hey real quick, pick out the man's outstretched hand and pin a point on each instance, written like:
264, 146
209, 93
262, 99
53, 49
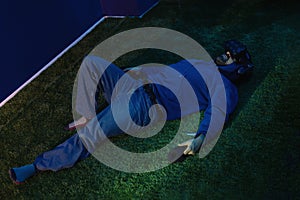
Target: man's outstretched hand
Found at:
193, 145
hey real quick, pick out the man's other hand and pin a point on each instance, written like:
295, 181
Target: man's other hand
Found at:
193, 145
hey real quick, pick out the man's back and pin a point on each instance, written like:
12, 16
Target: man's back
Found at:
171, 85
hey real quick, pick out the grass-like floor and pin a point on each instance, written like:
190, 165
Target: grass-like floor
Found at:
257, 155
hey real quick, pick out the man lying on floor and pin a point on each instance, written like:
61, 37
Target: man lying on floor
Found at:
233, 65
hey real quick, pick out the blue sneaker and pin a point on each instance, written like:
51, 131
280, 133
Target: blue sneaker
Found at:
19, 174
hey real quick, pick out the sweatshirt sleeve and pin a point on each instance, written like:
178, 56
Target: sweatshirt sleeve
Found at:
205, 122
220, 112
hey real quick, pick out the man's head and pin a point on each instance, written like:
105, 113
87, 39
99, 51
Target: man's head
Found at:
236, 62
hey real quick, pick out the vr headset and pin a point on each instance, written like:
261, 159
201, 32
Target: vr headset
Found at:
235, 62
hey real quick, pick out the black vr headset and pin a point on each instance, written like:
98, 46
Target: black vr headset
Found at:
240, 65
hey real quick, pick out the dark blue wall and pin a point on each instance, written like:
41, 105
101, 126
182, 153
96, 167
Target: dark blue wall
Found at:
33, 32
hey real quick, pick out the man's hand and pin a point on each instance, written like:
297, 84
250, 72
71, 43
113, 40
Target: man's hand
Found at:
136, 73
193, 145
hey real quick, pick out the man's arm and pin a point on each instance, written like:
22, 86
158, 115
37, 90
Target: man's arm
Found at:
194, 145
216, 127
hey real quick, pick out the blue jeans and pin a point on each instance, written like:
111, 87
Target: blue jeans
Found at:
73, 149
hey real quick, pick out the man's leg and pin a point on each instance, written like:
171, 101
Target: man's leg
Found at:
74, 149
107, 124
92, 77
95, 75
64, 155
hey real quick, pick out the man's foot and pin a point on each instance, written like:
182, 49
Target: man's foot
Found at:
19, 174
81, 122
